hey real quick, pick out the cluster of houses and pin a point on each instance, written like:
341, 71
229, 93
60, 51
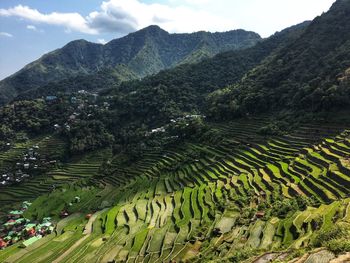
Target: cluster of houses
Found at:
25, 167
30, 160
187, 117
17, 228
84, 104
174, 121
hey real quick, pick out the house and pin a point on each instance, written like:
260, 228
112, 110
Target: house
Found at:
15, 214
260, 214
9, 224
21, 221
88, 216
26, 204
64, 214
30, 226
31, 232
51, 98
3, 244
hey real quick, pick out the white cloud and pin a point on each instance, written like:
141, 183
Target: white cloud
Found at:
34, 28
31, 27
124, 16
71, 21
5, 34
101, 41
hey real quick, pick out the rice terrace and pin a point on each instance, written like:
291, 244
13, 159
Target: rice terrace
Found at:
194, 201
193, 143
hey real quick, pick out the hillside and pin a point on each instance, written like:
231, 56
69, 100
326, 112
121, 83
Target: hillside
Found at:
234, 199
185, 89
240, 157
143, 53
310, 73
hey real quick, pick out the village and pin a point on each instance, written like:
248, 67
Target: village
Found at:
185, 118
31, 163
17, 228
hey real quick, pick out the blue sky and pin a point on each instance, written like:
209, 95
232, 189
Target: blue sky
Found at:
31, 28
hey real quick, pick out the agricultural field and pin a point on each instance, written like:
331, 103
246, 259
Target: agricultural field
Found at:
61, 173
195, 202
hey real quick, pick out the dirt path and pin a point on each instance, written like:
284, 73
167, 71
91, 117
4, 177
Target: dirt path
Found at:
87, 232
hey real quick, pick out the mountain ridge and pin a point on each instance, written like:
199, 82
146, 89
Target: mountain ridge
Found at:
144, 52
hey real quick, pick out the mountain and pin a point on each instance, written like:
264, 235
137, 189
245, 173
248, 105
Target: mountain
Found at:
310, 73
185, 88
144, 52
137, 173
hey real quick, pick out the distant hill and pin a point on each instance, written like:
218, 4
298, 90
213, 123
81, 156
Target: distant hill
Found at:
142, 53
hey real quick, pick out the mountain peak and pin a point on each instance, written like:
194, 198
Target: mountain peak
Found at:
152, 30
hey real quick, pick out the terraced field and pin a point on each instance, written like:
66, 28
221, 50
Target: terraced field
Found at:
199, 202
59, 173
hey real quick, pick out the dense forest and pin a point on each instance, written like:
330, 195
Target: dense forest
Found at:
310, 73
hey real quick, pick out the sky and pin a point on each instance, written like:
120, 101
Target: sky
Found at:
31, 28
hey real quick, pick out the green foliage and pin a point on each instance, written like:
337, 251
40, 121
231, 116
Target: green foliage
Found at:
282, 207
310, 73
275, 128
31, 116
330, 237
338, 245
241, 255
88, 135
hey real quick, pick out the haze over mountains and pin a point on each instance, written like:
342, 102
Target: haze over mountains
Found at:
136, 55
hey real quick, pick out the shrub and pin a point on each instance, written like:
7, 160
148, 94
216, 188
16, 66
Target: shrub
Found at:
330, 237
338, 246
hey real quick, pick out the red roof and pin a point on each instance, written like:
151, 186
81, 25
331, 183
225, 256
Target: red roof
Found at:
88, 216
31, 231
11, 221
2, 243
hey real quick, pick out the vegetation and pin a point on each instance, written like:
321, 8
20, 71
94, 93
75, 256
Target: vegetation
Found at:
174, 168
306, 74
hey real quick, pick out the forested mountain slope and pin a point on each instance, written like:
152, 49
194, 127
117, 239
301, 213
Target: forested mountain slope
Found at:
172, 92
310, 73
144, 52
